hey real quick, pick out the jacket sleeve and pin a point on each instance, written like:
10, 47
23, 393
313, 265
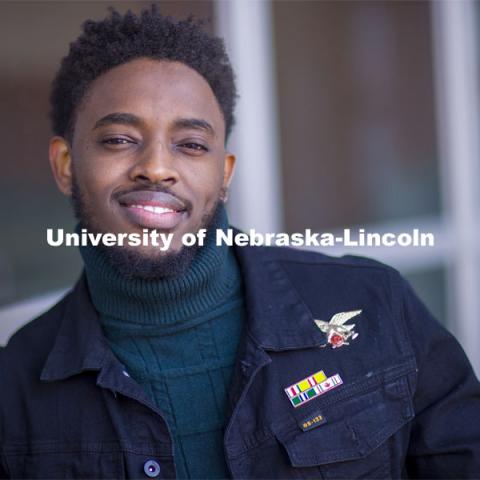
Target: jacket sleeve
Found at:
3, 470
445, 435
3, 467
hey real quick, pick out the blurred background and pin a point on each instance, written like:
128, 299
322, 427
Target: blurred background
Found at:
351, 114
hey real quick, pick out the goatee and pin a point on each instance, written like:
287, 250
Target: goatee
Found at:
130, 262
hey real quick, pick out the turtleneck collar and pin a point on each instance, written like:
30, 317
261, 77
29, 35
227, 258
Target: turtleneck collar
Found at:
211, 276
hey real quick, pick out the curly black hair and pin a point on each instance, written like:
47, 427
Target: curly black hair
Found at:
120, 38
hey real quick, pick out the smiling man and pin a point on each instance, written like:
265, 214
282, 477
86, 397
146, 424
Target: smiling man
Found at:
210, 361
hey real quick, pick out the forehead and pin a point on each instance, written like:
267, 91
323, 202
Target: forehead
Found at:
156, 91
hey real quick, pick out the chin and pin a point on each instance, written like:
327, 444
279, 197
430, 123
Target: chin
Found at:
149, 263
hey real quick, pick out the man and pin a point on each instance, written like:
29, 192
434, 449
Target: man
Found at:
210, 361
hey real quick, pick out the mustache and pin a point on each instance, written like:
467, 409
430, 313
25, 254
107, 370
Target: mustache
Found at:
145, 187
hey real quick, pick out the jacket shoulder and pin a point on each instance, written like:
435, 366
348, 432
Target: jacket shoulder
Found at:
308, 257
33, 341
343, 281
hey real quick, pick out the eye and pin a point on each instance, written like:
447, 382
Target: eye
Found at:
193, 147
117, 141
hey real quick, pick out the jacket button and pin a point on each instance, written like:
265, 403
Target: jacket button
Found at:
151, 469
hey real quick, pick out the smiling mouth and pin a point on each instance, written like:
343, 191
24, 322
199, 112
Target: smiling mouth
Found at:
154, 209
150, 209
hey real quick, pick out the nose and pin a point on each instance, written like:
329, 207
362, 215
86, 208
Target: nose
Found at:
155, 165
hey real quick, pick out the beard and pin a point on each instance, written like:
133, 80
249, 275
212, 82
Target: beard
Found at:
130, 262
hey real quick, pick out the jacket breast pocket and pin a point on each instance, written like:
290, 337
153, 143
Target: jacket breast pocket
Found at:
358, 436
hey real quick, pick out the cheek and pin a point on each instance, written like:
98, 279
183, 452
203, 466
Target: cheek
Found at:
94, 184
97, 178
207, 182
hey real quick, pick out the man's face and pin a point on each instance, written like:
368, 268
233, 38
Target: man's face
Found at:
147, 152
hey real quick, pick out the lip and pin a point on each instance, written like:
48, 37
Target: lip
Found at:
133, 204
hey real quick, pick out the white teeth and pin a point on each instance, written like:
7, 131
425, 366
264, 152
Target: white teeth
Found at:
152, 209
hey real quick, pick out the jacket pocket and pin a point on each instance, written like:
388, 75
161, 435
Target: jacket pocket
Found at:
359, 436
56, 463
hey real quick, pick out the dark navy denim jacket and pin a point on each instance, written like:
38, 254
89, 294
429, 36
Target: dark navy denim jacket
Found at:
408, 407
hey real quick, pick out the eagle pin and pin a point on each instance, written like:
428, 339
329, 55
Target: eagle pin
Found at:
338, 333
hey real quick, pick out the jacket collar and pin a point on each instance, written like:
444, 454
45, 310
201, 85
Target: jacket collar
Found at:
277, 318
80, 344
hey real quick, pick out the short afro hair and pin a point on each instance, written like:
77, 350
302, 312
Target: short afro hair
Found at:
120, 38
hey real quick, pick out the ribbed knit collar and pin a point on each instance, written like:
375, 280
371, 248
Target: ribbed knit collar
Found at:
211, 276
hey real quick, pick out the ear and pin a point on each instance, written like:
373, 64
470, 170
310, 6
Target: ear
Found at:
228, 169
61, 164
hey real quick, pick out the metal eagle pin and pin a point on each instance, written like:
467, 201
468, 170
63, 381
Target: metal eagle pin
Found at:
337, 332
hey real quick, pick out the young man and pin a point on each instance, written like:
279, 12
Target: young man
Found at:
210, 361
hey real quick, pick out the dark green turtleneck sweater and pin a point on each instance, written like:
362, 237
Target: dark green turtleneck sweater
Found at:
178, 339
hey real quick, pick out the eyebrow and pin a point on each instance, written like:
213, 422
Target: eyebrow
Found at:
133, 120
118, 118
194, 123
